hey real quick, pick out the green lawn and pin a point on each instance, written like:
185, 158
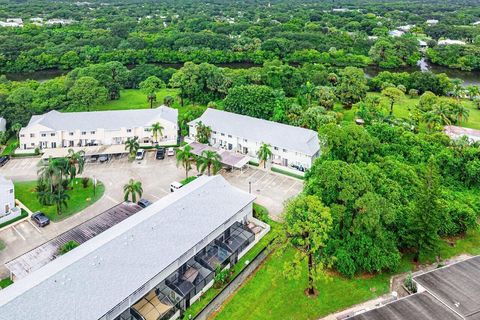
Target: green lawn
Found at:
12, 144
80, 198
5, 282
269, 295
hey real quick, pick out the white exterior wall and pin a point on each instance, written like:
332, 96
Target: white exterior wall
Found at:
39, 136
7, 196
280, 156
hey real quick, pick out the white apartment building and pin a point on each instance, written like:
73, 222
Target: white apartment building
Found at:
7, 196
290, 145
80, 129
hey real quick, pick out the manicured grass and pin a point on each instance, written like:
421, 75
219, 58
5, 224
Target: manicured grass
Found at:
288, 173
12, 144
270, 295
5, 282
134, 99
80, 198
22, 215
403, 108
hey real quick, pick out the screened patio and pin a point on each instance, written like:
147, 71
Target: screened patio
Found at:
237, 237
213, 256
190, 279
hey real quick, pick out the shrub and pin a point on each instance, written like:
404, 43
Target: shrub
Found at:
70, 245
85, 182
222, 277
188, 180
413, 93
402, 88
409, 284
260, 212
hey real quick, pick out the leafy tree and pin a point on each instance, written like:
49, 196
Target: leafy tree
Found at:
393, 95
157, 130
131, 190
69, 246
203, 132
264, 153
326, 97
185, 157
424, 218
76, 163
251, 100
209, 161
168, 101
60, 199
352, 86
150, 87
86, 92
51, 95
132, 146
473, 91
306, 227
16, 127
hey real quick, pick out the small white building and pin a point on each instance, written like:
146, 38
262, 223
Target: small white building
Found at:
447, 42
431, 22
396, 33
406, 28
7, 196
423, 45
80, 129
3, 124
290, 145
476, 23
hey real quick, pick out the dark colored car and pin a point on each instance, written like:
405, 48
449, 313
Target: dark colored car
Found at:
40, 219
3, 160
144, 203
160, 154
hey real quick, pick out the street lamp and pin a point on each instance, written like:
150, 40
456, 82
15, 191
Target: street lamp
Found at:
249, 186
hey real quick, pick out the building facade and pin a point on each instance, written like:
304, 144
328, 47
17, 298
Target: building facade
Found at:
291, 146
81, 129
7, 196
152, 265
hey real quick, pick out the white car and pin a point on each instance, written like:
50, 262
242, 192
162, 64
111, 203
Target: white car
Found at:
140, 154
174, 186
170, 151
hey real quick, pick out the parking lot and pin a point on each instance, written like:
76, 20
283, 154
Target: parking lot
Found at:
271, 189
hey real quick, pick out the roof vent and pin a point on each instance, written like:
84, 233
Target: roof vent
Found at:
457, 304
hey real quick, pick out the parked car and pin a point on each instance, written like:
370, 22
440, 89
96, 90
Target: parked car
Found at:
103, 158
140, 154
160, 154
174, 186
144, 203
40, 219
170, 151
3, 160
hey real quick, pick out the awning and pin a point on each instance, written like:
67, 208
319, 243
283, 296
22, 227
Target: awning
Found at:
229, 158
89, 151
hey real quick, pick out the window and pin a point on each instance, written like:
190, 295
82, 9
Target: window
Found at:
70, 133
11, 190
32, 144
84, 133
32, 135
129, 130
22, 136
214, 132
229, 135
284, 150
52, 134
223, 134
44, 134
275, 148
245, 140
147, 129
92, 132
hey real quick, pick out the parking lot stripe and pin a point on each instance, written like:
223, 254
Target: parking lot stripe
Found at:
250, 178
33, 224
290, 188
18, 232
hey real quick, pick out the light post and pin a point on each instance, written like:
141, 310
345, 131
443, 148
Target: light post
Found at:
94, 186
249, 186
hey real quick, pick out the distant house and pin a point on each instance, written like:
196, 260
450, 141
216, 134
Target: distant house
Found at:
290, 145
396, 33
80, 129
455, 132
431, 22
406, 28
423, 45
12, 22
447, 42
476, 23
8, 211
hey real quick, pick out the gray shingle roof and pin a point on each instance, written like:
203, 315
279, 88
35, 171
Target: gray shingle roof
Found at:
276, 134
456, 285
420, 306
93, 278
110, 120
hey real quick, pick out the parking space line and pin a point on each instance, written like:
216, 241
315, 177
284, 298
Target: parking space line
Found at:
250, 177
268, 185
154, 196
18, 232
260, 179
267, 181
290, 188
34, 226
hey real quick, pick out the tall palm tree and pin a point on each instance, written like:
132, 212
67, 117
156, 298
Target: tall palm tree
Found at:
44, 195
132, 189
60, 198
50, 174
444, 113
157, 130
264, 153
76, 162
168, 101
185, 157
16, 127
461, 113
209, 160
431, 119
458, 90
151, 98
132, 146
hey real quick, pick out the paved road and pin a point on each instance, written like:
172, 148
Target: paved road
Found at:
270, 188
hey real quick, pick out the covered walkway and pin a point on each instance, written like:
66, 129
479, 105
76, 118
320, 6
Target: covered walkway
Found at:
89, 151
229, 158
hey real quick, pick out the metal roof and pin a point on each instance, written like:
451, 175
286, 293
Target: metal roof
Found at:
108, 120
228, 158
90, 280
456, 285
258, 130
420, 306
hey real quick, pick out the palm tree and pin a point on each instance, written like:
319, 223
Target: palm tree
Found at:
308, 90
431, 119
50, 174
76, 162
16, 127
264, 153
473, 91
204, 132
168, 101
157, 130
132, 146
132, 189
209, 160
185, 157
461, 113
59, 198
458, 90
43, 193
152, 97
